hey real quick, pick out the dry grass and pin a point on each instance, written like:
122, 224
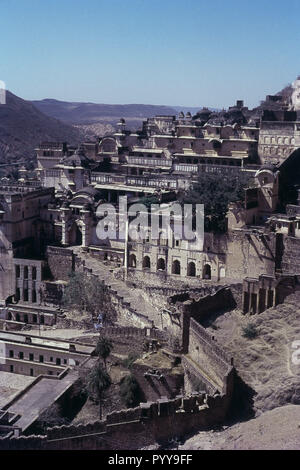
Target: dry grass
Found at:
265, 362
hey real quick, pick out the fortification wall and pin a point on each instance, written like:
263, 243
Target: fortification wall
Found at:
205, 361
126, 315
201, 308
132, 429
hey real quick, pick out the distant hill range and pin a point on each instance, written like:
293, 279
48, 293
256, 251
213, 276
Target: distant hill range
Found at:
23, 127
24, 124
89, 113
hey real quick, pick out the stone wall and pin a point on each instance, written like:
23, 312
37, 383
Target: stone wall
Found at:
249, 254
133, 428
206, 362
60, 262
291, 256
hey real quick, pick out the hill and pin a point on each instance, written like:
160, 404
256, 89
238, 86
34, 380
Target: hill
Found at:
89, 113
23, 127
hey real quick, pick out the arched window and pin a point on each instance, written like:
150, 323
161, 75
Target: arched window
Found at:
25, 272
161, 265
33, 272
207, 271
132, 261
176, 267
222, 272
146, 262
33, 295
191, 269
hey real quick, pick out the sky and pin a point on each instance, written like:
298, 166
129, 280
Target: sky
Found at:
172, 52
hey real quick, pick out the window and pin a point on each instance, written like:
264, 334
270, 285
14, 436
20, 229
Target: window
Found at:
11, 368
25, 272
31, 372
51, 359
161, 265
21, 355
31, 357
132, 261
34, 273
146, 262
41, 358
17, 271
191, 270
207, 271
58, 361
11, 353
176, 267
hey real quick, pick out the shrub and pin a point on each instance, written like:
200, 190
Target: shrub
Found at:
131, 358
130, 391
250, 331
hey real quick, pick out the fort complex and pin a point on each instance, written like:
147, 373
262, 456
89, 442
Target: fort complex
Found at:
162, 290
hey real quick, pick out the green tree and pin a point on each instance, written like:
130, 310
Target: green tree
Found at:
86, 293
130, 391
98, 381
130, 359
216, 191
103, 348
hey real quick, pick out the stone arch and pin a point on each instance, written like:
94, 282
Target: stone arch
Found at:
191, 269
75, 235
176, 269
132, 261
146, 262
161, 264
222, 272
207, 271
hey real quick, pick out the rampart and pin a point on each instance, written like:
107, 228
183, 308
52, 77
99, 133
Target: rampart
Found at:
133, 428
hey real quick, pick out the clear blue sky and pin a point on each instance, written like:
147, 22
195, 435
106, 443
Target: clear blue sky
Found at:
174, 52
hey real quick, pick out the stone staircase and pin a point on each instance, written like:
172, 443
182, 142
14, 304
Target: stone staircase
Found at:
130, 295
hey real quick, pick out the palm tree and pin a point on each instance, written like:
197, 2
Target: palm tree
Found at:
98, 382
103, 348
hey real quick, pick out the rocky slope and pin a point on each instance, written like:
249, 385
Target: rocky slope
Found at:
277, 429
265, 363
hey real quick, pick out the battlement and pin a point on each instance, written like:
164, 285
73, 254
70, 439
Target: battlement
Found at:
147, 424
